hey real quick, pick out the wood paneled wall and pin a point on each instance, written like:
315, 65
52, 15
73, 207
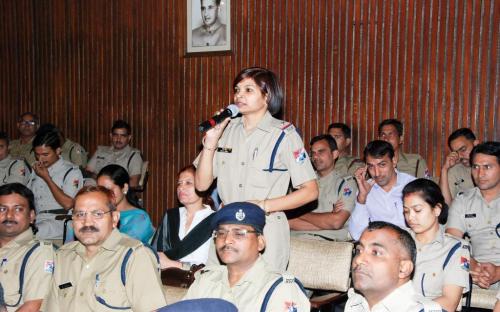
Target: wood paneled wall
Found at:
83, 63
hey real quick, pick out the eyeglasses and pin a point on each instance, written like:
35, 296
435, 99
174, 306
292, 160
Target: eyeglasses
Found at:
96, 214
237, 234
28, 123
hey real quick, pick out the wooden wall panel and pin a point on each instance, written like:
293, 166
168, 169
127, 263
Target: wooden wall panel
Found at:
81, 64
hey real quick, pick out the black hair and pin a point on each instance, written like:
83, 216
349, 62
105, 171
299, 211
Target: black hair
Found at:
19, 189
491, 148
268, 85
205, 196
328, 138
121, 124
342, 126
120, 177
462, 132
110, 197
407, 242
378, 149
392, 122
4, 136
430, 192
51, 139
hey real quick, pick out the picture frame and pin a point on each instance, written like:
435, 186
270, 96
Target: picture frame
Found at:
208, 26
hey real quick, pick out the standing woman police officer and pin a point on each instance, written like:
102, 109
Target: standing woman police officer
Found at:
254, 157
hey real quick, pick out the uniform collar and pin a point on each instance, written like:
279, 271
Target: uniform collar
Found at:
265, 124
124, 150
393, 301
57, 165
439, 238
22, 239
213, 28
248, 277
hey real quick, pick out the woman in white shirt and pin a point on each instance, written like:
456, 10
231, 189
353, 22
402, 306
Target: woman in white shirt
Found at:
184, 235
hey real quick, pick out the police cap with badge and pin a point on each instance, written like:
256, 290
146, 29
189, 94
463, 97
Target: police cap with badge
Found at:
240, 213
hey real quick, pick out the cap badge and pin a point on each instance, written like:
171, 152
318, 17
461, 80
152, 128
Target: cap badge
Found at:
239, 215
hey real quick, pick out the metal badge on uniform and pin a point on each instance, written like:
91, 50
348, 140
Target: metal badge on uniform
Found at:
101, 157
470, 215
48, 266
300, 155
225, 149
65, 285
239, 215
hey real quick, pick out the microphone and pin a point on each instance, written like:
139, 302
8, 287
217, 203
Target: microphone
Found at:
230, 111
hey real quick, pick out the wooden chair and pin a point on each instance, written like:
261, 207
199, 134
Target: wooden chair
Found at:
322, 265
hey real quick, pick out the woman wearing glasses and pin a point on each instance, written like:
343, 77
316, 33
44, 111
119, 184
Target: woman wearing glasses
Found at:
442, 266
255, 156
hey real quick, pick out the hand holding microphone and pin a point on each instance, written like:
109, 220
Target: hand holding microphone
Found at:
215, 126
230, 111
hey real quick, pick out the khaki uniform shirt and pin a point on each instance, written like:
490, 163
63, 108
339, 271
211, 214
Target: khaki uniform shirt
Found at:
14, 170
331, 189
80, 282
459, 179
128, 157
248, 293
470, 213
430, 277
209, 36
346, 165
37, 274
68, 178
402, 299
413, 164
75, 153
25, 151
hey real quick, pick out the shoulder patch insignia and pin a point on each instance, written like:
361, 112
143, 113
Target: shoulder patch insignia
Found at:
75, 183
464, 264
300, 155
290, 306
347, 191
48, 266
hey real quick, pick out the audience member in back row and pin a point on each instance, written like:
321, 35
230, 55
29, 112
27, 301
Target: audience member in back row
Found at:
12, 169
381, 272
345, 164
328, 219
391, 130
442, 267
380, 185
183, 238
134, 221
456, 171
54, 181
27, 124
119, 153
477, 212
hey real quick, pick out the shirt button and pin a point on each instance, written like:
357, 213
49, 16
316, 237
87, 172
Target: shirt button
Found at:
242, 163
81, 294
223, 162
87, 266
240, 185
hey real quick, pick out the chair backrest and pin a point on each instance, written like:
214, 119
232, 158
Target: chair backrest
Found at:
321, 264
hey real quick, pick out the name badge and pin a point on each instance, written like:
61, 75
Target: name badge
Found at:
224, 149
65, 285
470, 215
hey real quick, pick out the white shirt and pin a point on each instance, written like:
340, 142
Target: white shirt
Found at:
380, 206
200, 255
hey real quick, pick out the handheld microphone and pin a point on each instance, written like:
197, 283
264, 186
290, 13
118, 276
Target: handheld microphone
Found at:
230, 111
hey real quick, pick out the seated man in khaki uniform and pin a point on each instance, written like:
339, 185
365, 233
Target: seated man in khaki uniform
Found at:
12, 170
346, 164
391, 130
337, 196
246, 280
22, 257
104, 270
70, 151
381, 271
477, 212
456, 171
119, 153
27, 125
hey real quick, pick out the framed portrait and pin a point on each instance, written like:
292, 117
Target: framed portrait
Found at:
208, 25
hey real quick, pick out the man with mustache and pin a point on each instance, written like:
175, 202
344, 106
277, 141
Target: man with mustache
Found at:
104, 270
212, 32
17, 246
27, 125
120, 153
54, 181
380, 185
456, 171
246, 279
382, 269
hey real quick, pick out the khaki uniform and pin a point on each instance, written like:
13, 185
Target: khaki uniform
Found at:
14, 170
402, 299
244, 171
459, 179
248, 293
331, 189
68, 178
25, 151
214, 35
128, 157
37, 274
430, 276
95, 284
413, 164
347, 165
75, 153
470, 213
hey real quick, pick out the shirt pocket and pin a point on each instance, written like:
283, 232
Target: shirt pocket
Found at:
109, 295
431, 283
